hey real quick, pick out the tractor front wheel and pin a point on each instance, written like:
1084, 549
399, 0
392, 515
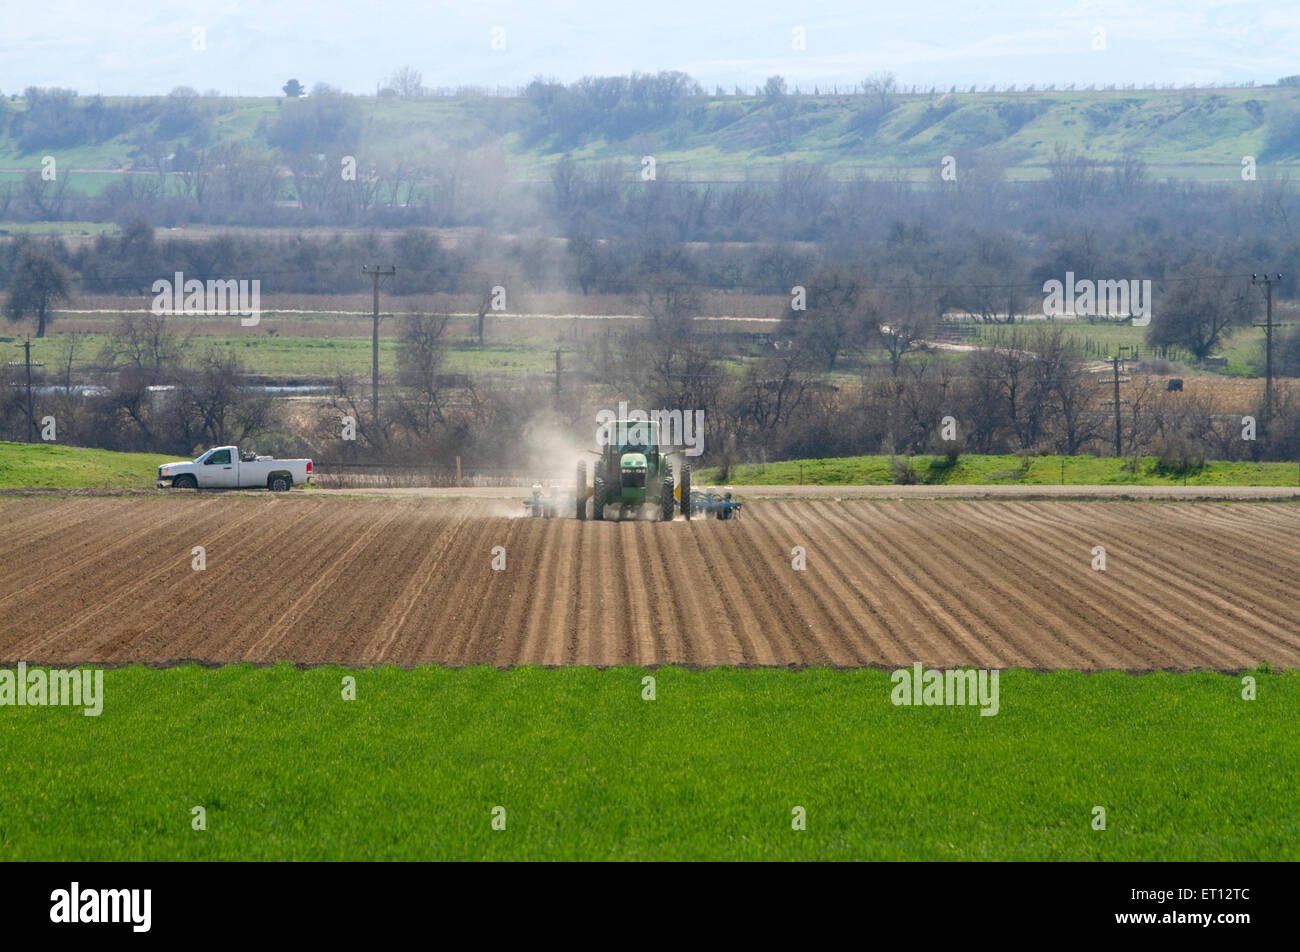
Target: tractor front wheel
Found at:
666, 500
598, 499
580, 491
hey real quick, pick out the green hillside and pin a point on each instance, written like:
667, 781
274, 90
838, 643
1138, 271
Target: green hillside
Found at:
1192, 134
45, 465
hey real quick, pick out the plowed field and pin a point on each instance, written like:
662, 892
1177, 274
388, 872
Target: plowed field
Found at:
408, 581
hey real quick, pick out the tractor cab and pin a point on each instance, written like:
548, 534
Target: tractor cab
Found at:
632, 471
636, 436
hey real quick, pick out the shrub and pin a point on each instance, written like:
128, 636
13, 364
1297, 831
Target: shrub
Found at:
946, 458
1179, 456
903, 471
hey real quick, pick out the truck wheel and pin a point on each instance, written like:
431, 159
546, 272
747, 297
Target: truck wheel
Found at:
185, 482
686, 490
598, 499
279, 484
666, 500
580, 491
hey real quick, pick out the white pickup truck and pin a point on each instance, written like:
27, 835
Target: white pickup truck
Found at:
224, 467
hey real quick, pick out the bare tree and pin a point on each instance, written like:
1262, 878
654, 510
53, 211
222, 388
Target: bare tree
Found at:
242, 176
904, 314
881, 87
1198, 308
68, 347
153, 148
215, 408
773, 391
839, 307
195, 168
1068, 389
46, 197
351, 398
39, 282
1073, 176
422, 349
672, 299
147, 343
407, 82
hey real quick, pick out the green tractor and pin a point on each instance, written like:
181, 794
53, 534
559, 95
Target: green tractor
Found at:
631, 473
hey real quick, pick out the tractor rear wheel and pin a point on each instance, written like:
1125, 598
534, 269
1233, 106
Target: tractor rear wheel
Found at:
666, 500
598, 499
580, 491
686, 490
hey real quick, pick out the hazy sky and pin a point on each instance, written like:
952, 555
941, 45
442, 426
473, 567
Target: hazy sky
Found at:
141, 46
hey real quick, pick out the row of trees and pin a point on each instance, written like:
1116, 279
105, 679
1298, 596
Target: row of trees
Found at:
55, 118
190, 398
892, 299
1030, 392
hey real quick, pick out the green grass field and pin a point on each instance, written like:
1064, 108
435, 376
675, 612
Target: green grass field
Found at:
976, 470
58, 227
307, 356
584, 768
325, 356
298, 349
1243, 346
29, 465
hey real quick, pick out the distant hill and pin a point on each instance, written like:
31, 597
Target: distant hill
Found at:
1186, 134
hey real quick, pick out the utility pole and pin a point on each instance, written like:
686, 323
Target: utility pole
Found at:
31, 413
1118, 440
1267, 280
377, 272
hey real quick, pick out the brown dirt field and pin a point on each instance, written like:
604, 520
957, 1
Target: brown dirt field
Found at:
324, 578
